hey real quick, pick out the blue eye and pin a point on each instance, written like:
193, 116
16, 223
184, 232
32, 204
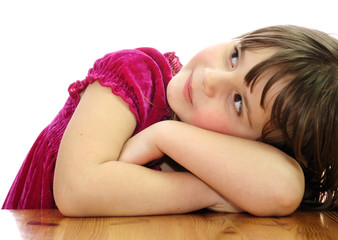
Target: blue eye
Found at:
238, 103
234, 57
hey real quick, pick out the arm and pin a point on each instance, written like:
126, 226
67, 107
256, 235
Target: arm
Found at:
89, 182
254, 176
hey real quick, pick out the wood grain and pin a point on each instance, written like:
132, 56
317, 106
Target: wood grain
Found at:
50, 224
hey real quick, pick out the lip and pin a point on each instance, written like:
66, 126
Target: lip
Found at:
187, 90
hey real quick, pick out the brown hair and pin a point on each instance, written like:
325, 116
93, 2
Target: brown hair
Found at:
304, 115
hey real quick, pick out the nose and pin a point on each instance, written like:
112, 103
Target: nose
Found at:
213, 81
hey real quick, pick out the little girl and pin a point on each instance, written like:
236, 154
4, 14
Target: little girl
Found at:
257, 129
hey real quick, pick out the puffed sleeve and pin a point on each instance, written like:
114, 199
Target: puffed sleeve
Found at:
139, 76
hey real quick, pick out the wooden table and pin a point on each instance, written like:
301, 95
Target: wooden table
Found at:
50, 224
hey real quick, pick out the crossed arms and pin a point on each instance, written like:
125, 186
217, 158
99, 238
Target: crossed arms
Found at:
98, 170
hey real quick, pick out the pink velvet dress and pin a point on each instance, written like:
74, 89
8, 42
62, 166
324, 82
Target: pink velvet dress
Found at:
139, 76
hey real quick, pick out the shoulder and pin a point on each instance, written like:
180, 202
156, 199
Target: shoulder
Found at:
137, 69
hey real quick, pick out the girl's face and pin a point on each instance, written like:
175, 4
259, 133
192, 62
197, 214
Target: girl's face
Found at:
210, 92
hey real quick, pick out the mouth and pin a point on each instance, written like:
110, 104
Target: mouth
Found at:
187, 90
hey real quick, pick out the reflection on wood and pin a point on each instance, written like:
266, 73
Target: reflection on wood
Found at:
50, 224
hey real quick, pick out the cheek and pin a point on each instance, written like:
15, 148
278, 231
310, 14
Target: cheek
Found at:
213, 122
200, 59
223, 124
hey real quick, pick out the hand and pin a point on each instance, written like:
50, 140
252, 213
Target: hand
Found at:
141, 148
224, 205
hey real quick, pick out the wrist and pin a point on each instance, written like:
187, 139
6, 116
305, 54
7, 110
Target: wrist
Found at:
223, 205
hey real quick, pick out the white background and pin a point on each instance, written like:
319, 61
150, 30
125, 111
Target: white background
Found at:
46, 45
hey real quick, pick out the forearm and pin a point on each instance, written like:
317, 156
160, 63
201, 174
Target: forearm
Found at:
122, 189
254, 176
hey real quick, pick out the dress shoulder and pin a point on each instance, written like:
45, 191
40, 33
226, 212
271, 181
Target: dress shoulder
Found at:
140, 76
